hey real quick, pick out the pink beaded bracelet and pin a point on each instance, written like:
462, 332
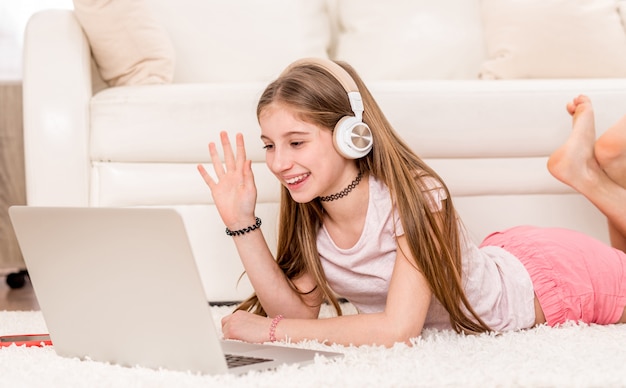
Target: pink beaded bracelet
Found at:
273, 325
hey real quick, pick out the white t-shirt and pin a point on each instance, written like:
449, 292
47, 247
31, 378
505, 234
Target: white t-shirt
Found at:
496, 284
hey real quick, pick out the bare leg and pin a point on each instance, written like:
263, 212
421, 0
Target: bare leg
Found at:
610, 151
595, 169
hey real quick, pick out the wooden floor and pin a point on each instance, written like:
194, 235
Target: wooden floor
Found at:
18, 299
12, 186
12, 192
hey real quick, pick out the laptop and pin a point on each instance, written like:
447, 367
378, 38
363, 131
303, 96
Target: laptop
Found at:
120, 285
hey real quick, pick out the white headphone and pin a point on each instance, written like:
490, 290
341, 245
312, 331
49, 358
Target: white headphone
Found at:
352, 137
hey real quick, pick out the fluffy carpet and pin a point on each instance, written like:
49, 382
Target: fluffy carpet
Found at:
568, 356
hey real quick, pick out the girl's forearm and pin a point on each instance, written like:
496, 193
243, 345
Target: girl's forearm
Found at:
359, 329
268, 280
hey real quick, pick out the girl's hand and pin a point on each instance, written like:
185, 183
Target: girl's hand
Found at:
234, 191
245, 326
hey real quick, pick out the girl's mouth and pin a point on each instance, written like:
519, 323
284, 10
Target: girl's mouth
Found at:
294, 181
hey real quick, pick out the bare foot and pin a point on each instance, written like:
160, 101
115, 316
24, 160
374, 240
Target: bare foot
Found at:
610, 151
574, 163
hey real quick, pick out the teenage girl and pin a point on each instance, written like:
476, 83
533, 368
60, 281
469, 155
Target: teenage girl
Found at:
364, 218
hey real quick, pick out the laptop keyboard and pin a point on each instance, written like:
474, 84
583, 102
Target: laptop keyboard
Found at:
234, 360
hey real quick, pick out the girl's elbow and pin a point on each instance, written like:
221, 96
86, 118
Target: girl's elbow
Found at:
402, 335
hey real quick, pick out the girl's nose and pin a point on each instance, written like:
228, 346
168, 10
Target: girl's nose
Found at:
279, 161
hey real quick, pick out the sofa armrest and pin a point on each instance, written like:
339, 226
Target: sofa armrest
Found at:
57, 90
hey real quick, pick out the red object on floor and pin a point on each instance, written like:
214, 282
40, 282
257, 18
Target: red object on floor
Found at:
25, 339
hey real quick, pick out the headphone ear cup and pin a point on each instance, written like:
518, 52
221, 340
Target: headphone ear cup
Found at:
353, 138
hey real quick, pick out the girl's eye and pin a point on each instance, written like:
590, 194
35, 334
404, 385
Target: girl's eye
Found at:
296, 143
268, 147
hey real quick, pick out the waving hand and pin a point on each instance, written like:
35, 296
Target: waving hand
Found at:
233, 190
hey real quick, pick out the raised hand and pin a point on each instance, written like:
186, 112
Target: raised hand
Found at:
234, 191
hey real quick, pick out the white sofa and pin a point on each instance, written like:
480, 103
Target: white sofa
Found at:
478, 88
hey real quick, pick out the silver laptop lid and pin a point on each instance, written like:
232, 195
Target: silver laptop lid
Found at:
119, 285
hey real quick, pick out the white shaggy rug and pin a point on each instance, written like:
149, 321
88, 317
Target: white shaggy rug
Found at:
568, 356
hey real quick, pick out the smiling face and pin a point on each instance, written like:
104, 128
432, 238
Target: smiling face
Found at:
302, 155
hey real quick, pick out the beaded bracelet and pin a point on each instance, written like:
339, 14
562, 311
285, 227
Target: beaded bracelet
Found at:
250, 228
273, 325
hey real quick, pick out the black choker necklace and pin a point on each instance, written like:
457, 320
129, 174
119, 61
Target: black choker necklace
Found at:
345, 191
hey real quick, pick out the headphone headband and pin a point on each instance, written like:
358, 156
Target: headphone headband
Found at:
352, 137
344, 78
337, 71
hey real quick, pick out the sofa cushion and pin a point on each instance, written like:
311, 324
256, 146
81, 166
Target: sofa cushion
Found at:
411, 39
242, 40
553, 39
171, 123
129, 46
174, 123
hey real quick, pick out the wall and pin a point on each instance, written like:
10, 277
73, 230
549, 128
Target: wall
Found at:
13, 18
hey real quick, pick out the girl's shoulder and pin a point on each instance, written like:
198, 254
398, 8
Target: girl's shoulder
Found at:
433, 189
428, 182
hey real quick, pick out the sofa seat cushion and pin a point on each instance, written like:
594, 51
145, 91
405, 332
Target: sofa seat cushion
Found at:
440, 119
151, 184
171, 123
146, 141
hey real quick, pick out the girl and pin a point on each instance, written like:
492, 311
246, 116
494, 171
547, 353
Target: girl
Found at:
364, 218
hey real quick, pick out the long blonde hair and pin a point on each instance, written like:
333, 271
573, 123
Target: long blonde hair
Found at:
433, 238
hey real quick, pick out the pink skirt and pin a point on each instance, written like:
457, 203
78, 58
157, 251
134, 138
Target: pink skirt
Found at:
575, 277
